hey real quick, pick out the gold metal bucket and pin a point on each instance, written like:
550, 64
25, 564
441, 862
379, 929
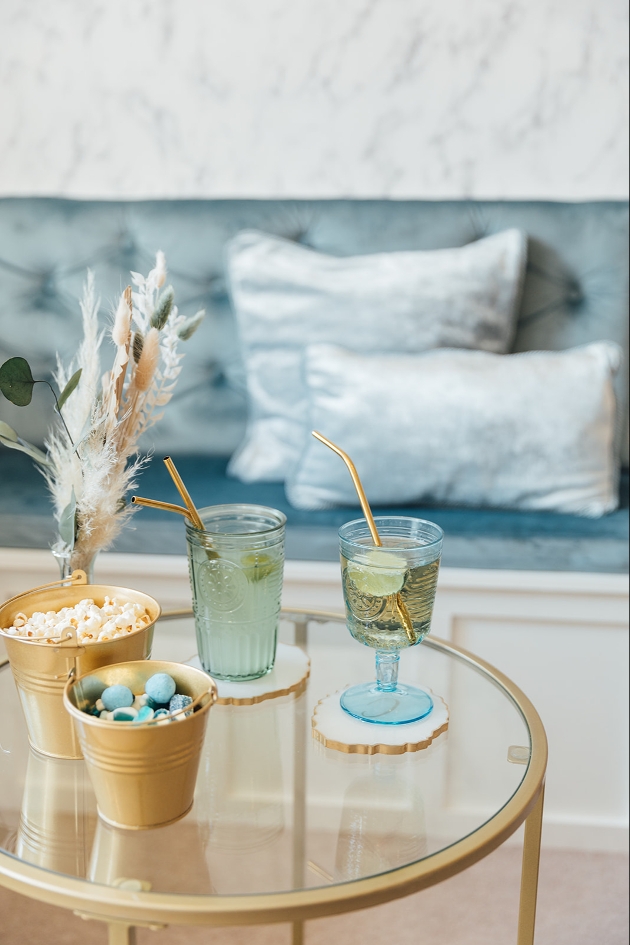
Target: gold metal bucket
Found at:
58, 817
143, 774
41, 669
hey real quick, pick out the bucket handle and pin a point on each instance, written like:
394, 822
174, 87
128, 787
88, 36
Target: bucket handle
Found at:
77, 578
69, 640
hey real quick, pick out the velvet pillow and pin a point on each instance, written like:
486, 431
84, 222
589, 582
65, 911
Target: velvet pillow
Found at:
286, 297
467, 428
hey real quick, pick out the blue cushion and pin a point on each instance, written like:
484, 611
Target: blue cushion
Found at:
475, 538
575, 291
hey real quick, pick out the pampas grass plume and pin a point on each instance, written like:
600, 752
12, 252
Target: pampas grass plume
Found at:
122, 323
160, 268
191, 325
137, 346
146, 366
163, 308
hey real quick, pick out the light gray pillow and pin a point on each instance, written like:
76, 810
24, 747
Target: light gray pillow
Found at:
286, 297
522, 431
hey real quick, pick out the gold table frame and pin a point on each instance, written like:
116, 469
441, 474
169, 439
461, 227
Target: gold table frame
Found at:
125, 910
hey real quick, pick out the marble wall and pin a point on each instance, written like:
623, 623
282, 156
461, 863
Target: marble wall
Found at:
314, 98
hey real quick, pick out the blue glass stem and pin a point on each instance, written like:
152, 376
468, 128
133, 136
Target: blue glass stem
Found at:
387, 670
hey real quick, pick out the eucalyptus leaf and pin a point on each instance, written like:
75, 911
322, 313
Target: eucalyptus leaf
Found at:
16, 381
7, 432
70, 387
25, 447
68, 522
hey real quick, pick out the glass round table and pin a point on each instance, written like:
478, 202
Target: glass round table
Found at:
284, 829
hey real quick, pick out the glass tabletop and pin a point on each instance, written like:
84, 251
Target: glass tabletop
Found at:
275, 811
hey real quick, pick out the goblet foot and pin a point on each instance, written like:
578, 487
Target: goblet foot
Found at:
394, 706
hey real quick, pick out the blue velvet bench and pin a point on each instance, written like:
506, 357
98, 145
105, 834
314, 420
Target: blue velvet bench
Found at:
475, 538
575, 291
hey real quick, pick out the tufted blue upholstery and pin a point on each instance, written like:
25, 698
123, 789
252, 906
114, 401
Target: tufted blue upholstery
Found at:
575, 291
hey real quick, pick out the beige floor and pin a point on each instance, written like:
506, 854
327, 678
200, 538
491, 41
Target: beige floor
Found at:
583, 901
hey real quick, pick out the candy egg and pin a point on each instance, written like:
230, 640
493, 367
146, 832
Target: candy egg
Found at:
117, 697
160, 687
144, 714
126, 714
179, 701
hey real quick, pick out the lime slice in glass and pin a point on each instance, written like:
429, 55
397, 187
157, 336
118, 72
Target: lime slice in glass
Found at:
379, 574
258, 566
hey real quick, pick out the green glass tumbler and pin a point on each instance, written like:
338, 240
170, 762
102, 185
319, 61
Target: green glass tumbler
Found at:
236, 567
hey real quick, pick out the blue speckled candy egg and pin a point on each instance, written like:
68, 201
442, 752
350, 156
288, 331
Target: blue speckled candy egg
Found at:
117, 697
179, 701
160, 688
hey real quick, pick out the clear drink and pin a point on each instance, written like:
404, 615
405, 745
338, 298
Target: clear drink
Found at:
236, 569
389, 591
376, 620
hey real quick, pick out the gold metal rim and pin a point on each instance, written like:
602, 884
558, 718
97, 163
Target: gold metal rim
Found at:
109, 902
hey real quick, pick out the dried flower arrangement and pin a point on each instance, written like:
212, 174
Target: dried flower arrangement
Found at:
92, 454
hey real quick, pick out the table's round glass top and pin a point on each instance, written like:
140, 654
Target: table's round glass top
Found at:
274, 809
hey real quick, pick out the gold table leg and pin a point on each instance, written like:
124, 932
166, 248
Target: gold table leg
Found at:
299, 787
529, 873
119, 933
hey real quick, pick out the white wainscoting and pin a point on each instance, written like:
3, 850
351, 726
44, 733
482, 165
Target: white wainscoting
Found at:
562, 637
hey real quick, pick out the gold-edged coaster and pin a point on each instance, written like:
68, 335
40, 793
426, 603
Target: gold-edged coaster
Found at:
289, 675
334, 728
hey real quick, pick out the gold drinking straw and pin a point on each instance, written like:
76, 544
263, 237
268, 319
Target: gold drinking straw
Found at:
183, 491
405, 616
156, 504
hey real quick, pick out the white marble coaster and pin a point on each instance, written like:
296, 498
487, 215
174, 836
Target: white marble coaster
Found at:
334, 728
289, 674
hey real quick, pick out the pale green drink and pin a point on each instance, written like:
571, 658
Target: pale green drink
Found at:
236, 568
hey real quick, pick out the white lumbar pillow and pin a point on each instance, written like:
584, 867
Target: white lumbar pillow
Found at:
286, 297
468, 428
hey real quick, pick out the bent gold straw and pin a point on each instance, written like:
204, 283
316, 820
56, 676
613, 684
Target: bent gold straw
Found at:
401, 607
156, 504
169, 507
193, 514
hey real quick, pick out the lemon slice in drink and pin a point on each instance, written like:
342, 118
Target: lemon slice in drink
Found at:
379, 574
258, 566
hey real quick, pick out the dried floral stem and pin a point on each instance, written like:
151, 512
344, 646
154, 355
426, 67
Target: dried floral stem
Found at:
124, 342
106, 414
